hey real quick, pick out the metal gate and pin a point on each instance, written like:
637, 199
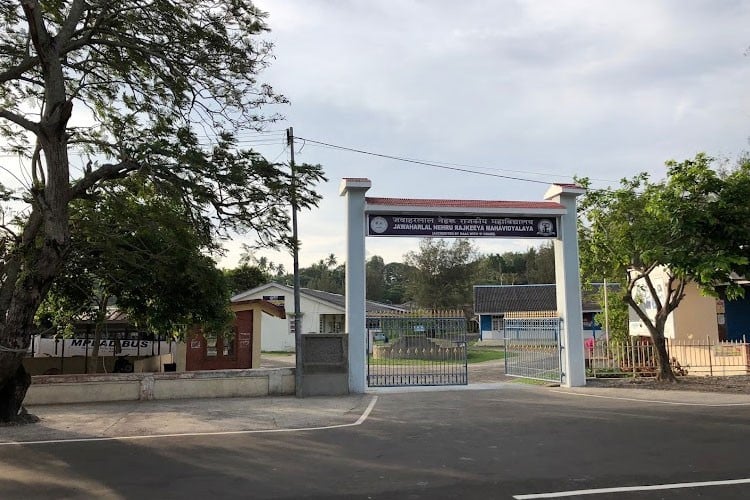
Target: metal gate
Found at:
417, 348
532, 346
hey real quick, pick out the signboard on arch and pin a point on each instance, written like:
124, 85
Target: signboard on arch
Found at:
461, 226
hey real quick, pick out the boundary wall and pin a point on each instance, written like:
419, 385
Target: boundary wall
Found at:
61, 389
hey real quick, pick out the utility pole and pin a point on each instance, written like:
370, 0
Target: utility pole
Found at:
295, 270
606, 310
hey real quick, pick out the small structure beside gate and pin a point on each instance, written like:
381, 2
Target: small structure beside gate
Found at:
532, 345
417, 348
240, 349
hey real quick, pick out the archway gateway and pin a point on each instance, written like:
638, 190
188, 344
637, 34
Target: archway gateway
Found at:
554, 219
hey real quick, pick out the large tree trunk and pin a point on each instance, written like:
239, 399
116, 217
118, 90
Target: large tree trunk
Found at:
93, 366
12, 395
664, 371
36, 266
39, 254
101, 319
664, 367
37, 274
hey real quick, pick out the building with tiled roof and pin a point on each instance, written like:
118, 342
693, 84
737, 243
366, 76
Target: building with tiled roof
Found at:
493, 302
322, 312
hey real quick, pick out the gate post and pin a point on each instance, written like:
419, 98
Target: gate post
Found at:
568, 280
354, 190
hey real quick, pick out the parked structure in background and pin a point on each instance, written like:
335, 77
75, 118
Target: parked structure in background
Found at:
238, 348
695, 318
52, 353
705, 336
493, 302
698, 317
322, 312
124, 345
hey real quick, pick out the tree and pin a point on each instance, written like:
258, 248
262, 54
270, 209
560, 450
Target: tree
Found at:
617, 314
540, 264
272, 271
536, 265
375, 278
324, 275
245, 277
443, 274
396, 277
135, 247
694, 224
165, 87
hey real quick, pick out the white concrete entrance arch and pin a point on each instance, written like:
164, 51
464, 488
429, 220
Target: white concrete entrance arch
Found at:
554, 218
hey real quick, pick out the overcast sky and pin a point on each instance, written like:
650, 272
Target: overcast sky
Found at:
542, 90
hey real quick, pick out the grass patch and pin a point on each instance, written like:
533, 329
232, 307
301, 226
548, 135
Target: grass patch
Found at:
531, 381
480, 355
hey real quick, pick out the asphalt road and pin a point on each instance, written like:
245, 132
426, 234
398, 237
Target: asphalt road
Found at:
500, 443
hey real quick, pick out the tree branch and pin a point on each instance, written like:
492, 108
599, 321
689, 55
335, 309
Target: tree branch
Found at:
20, 120
674, 295
70, 23
641, 314
37, 31
19, 69
105, 172
653, 292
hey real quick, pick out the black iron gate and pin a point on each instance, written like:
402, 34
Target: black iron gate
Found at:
532, 346
417, 348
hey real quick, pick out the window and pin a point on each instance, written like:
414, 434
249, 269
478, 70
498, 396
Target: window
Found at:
498, 323
331, 323
213, 345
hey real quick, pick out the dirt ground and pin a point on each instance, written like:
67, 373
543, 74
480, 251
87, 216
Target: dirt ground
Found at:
735, 384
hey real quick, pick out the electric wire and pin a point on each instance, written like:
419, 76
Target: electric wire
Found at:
422, 162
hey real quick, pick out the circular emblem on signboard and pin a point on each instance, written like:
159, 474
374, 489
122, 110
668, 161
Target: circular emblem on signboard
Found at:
378, 225
545, 228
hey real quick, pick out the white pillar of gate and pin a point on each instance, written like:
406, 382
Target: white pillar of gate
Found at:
354, 190
568, 280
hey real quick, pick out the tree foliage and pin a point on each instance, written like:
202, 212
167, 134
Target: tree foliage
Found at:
535, 266
617, 314
326, 275
443, 273
387, 283
139, 252
163, 89
245, 277
694, 223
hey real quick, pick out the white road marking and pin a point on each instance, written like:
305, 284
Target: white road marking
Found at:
484, 386
359, 421
561, 494
676, 403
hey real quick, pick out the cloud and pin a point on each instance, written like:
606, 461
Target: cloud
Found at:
599, 89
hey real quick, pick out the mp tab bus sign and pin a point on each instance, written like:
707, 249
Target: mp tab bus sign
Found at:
461, 226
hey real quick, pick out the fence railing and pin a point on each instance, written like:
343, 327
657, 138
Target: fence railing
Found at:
688, 357
417, 348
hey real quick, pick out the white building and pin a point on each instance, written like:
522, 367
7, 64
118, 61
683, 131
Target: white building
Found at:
698, 317
322, 312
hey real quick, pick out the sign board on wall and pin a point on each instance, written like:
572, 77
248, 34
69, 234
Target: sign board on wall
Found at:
80, 347
461, 226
